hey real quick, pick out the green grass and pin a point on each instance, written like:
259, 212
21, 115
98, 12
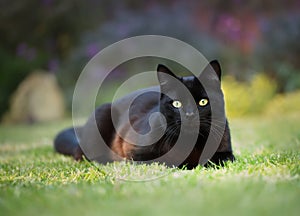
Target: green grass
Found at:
265, 179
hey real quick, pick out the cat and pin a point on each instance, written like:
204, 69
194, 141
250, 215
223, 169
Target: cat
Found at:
189, 119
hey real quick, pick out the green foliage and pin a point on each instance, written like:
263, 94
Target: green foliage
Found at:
13, 70
61, 36
247, 98
38, 40
287, 76
258, 97
278, 50
263, 181
284, 104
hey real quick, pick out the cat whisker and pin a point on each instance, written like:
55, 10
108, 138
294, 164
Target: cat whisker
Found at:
217, 135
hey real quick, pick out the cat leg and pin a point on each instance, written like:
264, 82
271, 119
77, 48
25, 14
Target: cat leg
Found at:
224, 152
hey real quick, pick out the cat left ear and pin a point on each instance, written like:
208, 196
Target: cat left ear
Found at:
217, 68
163, 74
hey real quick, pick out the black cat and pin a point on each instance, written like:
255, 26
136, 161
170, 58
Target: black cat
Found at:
194, 120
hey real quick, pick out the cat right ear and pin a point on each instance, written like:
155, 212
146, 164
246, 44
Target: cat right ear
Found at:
163, 74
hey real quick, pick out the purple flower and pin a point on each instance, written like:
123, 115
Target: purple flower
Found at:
26, 52
230, 26
21, 49
92, 49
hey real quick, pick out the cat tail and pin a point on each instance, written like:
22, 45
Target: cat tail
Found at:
67, 143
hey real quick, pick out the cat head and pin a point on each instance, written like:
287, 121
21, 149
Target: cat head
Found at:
186, 100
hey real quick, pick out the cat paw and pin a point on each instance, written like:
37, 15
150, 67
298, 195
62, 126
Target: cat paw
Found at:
220, 158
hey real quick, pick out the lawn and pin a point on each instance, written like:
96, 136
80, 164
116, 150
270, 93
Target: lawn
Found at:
264, 180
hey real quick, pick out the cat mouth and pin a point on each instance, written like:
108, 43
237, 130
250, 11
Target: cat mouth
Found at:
190, 129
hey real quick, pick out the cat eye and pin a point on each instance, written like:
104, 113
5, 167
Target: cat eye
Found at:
203, 102
177, 104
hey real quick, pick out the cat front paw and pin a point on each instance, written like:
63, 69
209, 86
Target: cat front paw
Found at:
220, 158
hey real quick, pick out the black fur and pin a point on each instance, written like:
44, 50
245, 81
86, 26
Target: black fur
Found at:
150, 102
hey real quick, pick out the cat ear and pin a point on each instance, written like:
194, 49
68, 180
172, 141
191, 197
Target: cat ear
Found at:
217, 68
211, 72
163, 74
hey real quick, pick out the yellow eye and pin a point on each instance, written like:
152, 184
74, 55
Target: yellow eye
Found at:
203, 102
177, 104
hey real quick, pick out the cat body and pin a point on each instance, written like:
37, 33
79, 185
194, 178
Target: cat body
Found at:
177, 137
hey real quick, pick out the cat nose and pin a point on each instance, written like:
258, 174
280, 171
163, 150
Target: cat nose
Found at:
189, 114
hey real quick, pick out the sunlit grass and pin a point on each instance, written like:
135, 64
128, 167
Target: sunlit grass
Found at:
264, 180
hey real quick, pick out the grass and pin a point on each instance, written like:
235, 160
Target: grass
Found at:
265, 179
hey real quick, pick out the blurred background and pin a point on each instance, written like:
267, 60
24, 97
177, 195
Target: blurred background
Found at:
44, 45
